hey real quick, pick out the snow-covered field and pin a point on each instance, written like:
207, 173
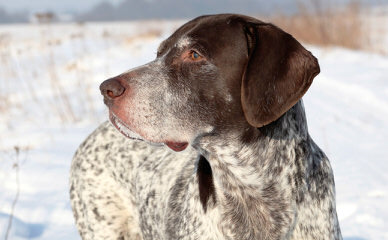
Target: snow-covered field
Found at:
49, 102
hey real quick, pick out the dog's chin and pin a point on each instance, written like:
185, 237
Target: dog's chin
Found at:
124, 129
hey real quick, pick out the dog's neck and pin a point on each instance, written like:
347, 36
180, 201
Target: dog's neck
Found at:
250, 184
251, 150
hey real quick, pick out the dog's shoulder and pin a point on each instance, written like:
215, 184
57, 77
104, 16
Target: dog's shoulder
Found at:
107, 149
105, 141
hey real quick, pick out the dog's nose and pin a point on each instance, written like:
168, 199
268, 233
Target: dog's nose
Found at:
111, 88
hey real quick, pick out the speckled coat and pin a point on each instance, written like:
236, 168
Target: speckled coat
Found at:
199, 160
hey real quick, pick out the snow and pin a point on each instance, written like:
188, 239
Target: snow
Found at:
347, 110
50, 102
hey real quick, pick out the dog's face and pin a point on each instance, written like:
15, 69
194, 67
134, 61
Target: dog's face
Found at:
215, 73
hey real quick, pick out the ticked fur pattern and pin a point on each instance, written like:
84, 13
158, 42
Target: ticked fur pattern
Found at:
234, 181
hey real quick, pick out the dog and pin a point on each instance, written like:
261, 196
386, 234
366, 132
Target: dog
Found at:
208, 141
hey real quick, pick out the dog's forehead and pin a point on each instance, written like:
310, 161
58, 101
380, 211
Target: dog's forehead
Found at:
200, 28
179, 43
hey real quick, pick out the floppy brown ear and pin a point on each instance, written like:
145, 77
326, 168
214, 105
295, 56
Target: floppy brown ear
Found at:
278, 73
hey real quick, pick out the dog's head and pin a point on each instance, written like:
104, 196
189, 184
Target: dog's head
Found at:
215, 73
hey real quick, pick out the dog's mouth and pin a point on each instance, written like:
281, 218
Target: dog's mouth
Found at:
124, 129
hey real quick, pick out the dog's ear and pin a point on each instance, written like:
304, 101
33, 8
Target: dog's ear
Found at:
278, 73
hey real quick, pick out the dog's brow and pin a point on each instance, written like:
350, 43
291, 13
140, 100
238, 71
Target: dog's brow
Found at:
162, 45
183, 42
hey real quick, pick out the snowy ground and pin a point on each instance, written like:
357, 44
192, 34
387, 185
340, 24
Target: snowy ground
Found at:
49, 102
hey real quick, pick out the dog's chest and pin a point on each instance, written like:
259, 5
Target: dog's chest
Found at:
167, 198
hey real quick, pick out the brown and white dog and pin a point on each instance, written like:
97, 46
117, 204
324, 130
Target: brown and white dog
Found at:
214, 143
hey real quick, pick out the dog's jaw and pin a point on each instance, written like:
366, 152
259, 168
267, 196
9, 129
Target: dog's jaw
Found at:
124, 129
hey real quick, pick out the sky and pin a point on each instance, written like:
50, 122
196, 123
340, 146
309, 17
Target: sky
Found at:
70, 6
78, 6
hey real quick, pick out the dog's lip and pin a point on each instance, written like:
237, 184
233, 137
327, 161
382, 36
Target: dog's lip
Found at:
177, 146
126, 131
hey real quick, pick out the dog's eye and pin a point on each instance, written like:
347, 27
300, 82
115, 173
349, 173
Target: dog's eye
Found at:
195, 56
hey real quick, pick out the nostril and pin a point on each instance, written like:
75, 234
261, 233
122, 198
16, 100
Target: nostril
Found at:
111, 88
110, 94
